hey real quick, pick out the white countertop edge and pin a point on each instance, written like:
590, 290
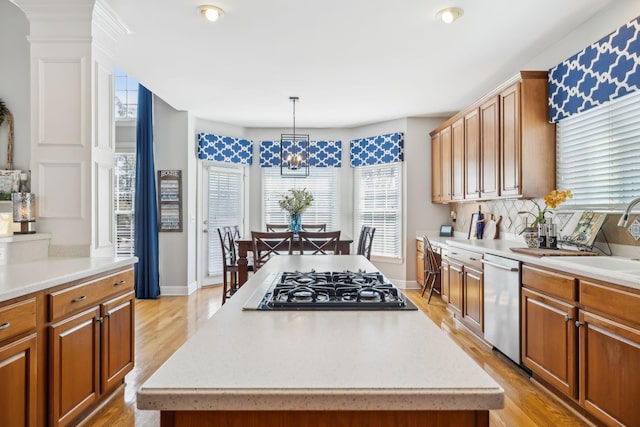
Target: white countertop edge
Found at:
54, 271
318, 399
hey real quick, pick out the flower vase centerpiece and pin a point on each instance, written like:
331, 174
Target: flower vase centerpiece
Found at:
295, 204
533, 232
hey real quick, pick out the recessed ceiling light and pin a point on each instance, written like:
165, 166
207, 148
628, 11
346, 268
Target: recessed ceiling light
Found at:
211, 13
450, 14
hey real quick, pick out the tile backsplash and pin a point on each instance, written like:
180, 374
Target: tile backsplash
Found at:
512, 223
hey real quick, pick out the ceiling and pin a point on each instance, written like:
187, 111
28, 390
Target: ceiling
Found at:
351, 62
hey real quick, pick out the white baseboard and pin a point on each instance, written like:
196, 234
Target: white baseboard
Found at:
178, 290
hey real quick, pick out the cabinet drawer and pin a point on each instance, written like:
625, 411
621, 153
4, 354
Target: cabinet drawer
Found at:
470, 258
17, 318
75, 298
606, 299
550, 282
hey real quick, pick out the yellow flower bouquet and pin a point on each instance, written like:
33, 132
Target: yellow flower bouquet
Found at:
551, 201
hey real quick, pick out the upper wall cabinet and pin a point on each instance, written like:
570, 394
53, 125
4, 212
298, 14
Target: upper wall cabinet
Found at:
507, 143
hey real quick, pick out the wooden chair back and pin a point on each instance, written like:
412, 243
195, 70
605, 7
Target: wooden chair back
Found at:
432, 268
268, 244
314, 227
318, 242
277, 227
365, 241
229, 265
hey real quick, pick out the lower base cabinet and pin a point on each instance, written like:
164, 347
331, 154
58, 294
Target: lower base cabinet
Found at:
583, 338
18, 382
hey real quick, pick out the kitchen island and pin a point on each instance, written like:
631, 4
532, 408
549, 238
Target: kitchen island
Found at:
304, 368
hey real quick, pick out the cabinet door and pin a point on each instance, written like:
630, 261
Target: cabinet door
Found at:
420, 268
457, 159
18, 382
117, 340
609, 370
436, 169
74, 365
473, 299
444, 280
510, 141
455, 286
549, 340
472, 154
445, 141
489, 148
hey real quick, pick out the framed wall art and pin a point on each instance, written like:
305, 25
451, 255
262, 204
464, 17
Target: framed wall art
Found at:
169, 200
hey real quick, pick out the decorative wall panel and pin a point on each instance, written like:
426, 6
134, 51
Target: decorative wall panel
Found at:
53, 177
324, 154
606, 70
224, 149
377, 150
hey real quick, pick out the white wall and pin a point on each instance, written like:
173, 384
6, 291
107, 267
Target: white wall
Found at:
15, 83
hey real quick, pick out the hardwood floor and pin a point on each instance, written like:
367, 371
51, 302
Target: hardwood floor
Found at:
164, 324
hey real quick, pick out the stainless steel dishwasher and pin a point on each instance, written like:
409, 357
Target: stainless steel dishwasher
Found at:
502, 304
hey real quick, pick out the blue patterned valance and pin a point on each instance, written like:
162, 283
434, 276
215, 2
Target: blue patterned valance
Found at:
606, 70
377, 150
323, 154
224, 149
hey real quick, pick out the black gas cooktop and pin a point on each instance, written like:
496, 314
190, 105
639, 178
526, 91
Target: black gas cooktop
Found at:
343, 290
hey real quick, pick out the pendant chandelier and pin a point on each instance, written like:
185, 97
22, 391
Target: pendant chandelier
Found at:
294, 150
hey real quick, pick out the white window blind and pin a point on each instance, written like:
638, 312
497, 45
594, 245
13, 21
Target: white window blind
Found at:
322, 183
378, 204
598, 154
225, 207
124, 198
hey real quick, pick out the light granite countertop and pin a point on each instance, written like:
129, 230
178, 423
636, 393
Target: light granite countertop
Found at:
318, 360
622, 271
21, 279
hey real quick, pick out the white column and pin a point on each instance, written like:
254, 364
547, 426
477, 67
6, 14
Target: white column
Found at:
72, 122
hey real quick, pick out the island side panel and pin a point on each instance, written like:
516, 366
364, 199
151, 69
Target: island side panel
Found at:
323, 418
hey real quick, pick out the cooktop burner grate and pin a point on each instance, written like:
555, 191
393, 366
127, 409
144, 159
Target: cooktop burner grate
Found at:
343, 290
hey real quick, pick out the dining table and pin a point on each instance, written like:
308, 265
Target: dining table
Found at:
245, 246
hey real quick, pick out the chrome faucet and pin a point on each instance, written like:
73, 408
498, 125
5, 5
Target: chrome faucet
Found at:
624, 219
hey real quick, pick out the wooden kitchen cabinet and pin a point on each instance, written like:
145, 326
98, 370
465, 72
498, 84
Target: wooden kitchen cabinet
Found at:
441, 166
91, 340
466, 287
18, 363
549, 336
527, 139
457, 160
444, 279
489, 149
609, 349
507, 142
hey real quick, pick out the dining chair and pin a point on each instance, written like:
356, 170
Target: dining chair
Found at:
365, 241
229, 264
318, 242
314, 227
268, 244
277, 227
431, 268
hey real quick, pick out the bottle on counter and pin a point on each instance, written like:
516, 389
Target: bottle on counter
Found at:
552, 235
480, 223
542, 235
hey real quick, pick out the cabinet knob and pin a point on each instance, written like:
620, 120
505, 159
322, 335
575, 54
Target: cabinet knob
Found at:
79, 299
120, 283
567, 318
579, 323
99, 319
4, 326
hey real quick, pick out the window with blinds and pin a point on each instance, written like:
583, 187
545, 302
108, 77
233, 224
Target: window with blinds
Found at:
225, 207
598, 154
378, 203
124, 197
322, 183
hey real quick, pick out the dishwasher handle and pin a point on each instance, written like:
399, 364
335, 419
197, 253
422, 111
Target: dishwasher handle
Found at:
501, 267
